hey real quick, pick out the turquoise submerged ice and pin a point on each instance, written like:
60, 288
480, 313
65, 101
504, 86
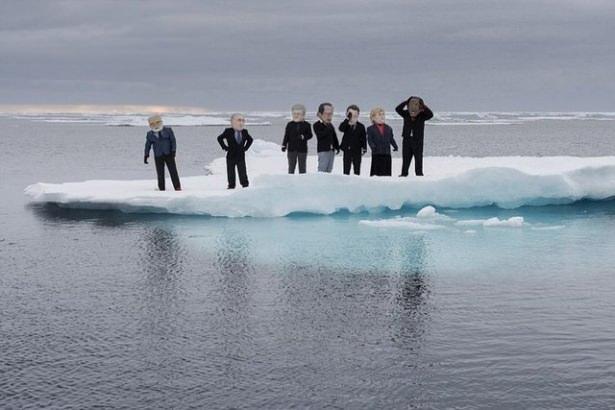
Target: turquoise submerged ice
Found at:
452, 182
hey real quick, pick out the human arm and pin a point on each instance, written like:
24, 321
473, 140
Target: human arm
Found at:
392, 141
336, 144
363, 139
370, 140
221, 142
249, 141
285, 139
402, 109
308, 131
427, 113
173, 142
320, 130
148, 147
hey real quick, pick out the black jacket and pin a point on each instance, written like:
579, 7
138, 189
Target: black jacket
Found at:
355, 138
326, 136
228, 143
297, 135
414, 129
380, 144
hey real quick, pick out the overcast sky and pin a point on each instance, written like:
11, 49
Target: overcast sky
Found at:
459, 55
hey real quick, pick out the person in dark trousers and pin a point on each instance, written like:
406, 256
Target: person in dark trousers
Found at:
380, 139
236, 141
298, 133
354, 140
162, 140
415, 113
328, 146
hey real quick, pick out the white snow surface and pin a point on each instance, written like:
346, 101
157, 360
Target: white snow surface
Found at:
450, 182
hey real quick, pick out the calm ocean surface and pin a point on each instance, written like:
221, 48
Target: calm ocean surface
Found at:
112, 310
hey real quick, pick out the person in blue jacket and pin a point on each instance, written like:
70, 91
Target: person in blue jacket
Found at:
162, 140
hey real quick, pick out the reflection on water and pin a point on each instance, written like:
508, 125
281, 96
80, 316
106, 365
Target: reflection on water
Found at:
160, 307
231, 320
171, 312
412, 288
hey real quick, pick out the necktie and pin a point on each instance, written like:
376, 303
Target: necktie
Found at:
238, 137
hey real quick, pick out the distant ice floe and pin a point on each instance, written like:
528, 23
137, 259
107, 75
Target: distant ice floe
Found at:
450, 182
439, 221
514, 222
140, 120
265, 117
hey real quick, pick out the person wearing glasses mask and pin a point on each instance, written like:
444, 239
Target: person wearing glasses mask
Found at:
296, 136
162, 140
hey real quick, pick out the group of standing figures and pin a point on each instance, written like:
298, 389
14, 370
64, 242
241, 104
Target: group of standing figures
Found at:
379, 136
356, 138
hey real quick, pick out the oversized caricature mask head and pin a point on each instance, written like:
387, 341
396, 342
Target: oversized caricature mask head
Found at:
155, 123
325, 112
352, 113
377, 115
414, 106
298, 112
238, 121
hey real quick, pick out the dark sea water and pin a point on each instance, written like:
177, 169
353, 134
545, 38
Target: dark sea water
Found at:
111, 310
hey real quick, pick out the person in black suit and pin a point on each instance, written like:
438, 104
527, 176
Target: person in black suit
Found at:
298, 132
415, 113
380, 139
354, 141
236, 141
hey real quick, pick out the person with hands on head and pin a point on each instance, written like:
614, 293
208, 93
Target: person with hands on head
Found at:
380, 139
354, 140
298, 132
162, 140
328, 146
415, 113
236, 141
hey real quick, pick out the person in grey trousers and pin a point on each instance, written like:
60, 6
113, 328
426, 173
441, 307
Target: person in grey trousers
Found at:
296, 136
328, 145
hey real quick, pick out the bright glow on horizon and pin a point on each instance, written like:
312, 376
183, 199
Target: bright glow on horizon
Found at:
97, 109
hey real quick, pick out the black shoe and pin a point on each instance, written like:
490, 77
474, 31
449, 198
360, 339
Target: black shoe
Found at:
230, 187
244, 186
403, 176
420, 175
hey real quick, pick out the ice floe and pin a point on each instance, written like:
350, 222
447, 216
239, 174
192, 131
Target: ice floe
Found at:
450, 182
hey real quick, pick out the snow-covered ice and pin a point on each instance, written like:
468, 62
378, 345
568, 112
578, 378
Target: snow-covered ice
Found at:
451, 182
513, 222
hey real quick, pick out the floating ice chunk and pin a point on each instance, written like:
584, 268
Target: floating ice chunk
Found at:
427, 212
548, 228
405, 223
513, 222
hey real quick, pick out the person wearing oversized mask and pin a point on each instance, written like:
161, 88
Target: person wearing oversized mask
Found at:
354, 140
236, 141
380, 139
162, 140
415, 113
328, 145
296, 136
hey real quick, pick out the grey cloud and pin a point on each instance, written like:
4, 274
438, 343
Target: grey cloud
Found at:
460, 55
